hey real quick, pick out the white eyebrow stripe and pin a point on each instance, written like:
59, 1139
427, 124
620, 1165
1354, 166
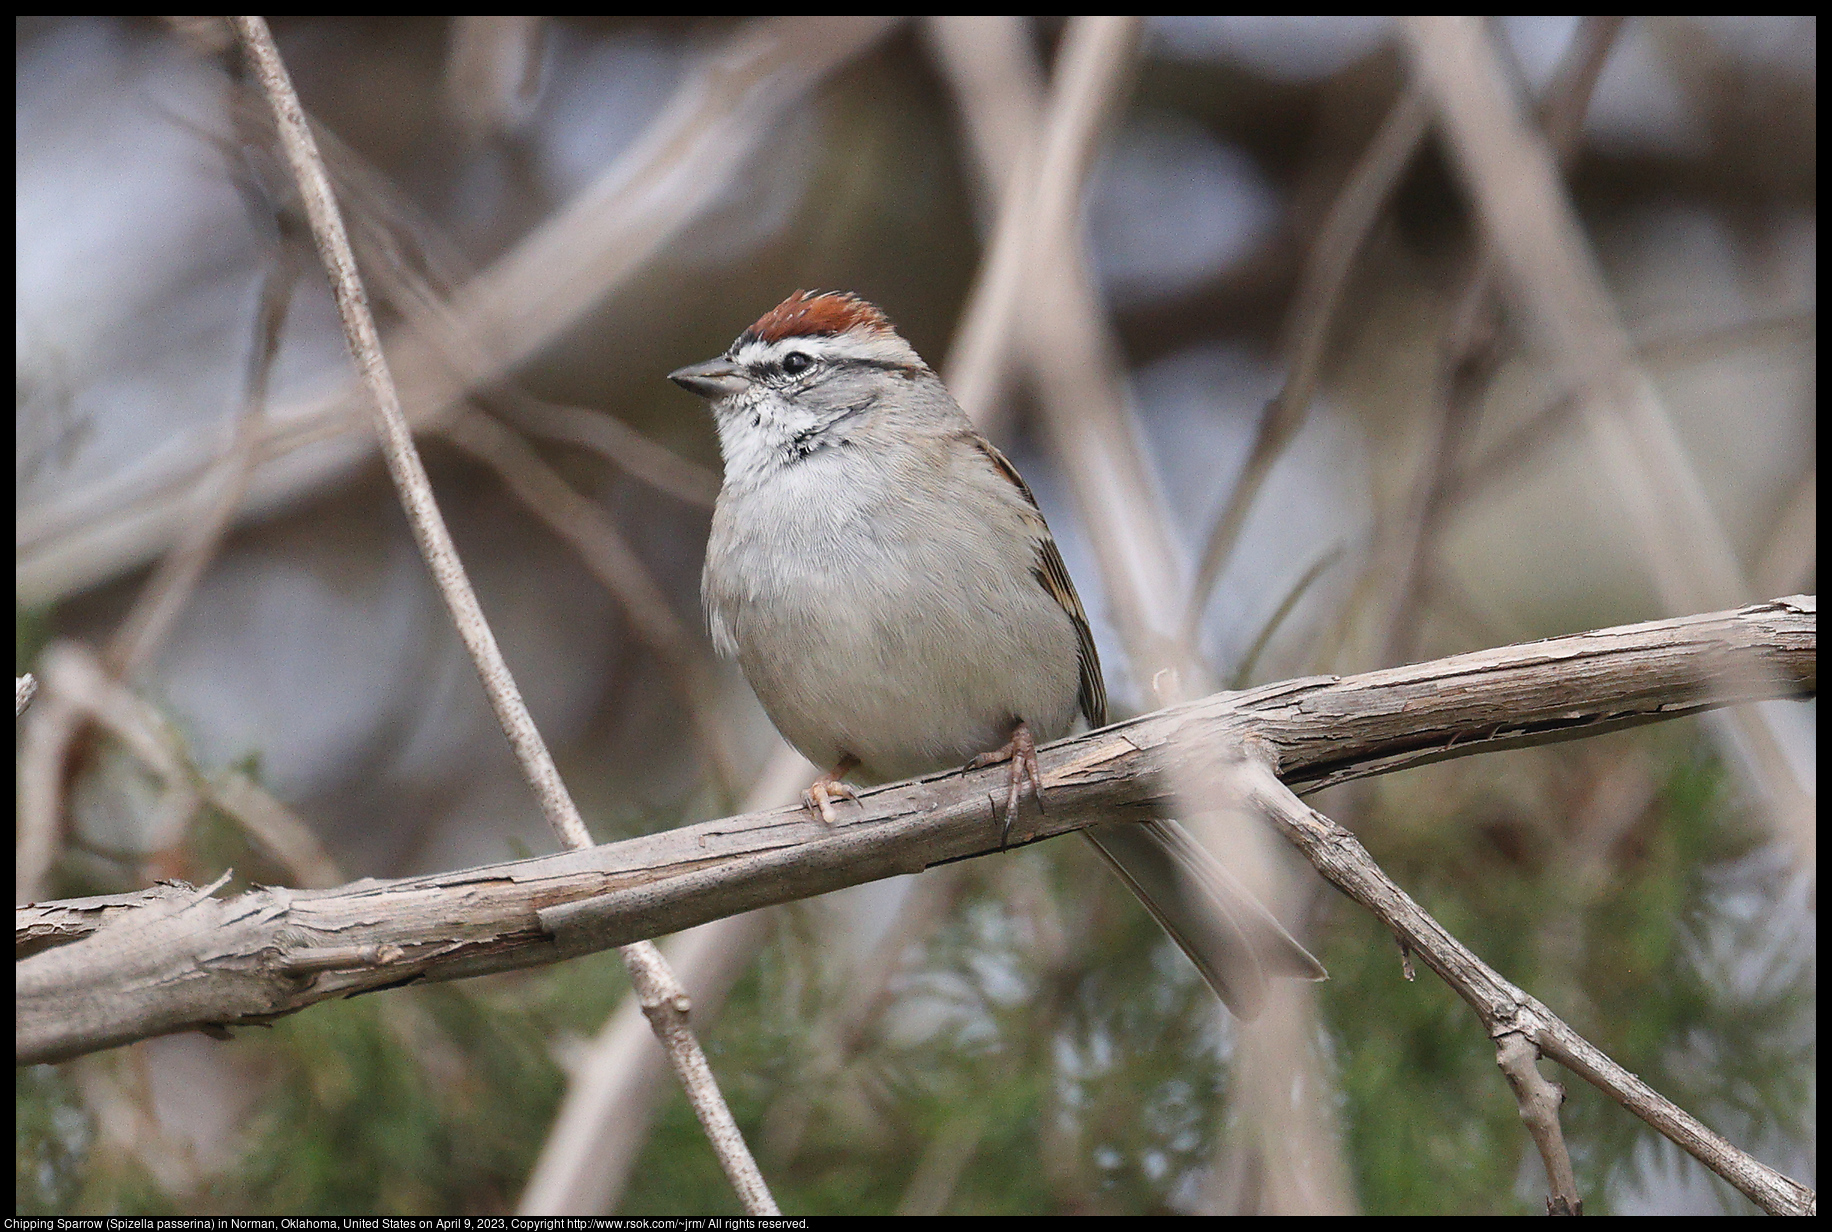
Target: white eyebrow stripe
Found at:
876, 346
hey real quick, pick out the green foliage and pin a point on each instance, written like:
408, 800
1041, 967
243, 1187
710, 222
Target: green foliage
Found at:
434, 1101
53, 1134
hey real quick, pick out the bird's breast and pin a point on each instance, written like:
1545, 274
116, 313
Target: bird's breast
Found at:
910, 634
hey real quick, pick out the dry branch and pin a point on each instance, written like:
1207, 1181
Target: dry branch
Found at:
720, 116
148, 965
1520, 1024
662, 997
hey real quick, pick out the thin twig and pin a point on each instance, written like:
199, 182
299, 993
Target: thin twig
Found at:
1503, 1009
1313, 310
1539, 1102
612, 439
594, 1141
660, 992
666, 1004
609, 557
1469, 358
396, 439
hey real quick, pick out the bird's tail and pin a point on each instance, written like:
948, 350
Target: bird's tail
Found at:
1233, 940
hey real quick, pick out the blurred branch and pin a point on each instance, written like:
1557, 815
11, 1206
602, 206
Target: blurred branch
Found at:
1063, 335
1243, 672
85, 684
1039, 211
991, 66
1792, 555
492, 74
179, 570
1313, 309
662, 998
1677, 342
840, 1036
1036, 306
1614, 793
1567, 311
938, 1171
1470, 357
144, 972
719, 117
585, 526
612, 439
1669, 343
1567, 314
44, 753
53, 730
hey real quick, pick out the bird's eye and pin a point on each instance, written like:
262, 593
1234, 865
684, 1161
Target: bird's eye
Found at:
795, 363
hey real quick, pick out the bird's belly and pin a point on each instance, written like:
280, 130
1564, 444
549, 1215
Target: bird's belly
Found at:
907, 679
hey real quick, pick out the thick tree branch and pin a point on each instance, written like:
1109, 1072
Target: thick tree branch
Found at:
154, 963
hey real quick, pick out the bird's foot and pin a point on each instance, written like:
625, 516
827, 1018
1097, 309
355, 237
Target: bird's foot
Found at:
821, 793
1021, 753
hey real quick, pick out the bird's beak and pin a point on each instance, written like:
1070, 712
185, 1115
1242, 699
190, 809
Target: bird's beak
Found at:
712, 380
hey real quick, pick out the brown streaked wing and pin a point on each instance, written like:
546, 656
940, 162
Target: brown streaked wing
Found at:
1054, 575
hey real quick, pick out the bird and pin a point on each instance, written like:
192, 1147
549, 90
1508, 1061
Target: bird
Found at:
888, 587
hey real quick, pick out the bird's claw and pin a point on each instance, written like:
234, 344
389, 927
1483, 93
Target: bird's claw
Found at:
1021, 753
821, 793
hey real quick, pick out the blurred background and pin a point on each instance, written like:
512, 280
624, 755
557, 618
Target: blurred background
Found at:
225, 604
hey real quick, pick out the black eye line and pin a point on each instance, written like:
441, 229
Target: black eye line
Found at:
762, 369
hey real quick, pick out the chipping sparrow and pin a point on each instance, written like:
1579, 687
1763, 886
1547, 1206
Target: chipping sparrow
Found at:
888, 587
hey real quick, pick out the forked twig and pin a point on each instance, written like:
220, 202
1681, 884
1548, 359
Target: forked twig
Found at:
1505, 1010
